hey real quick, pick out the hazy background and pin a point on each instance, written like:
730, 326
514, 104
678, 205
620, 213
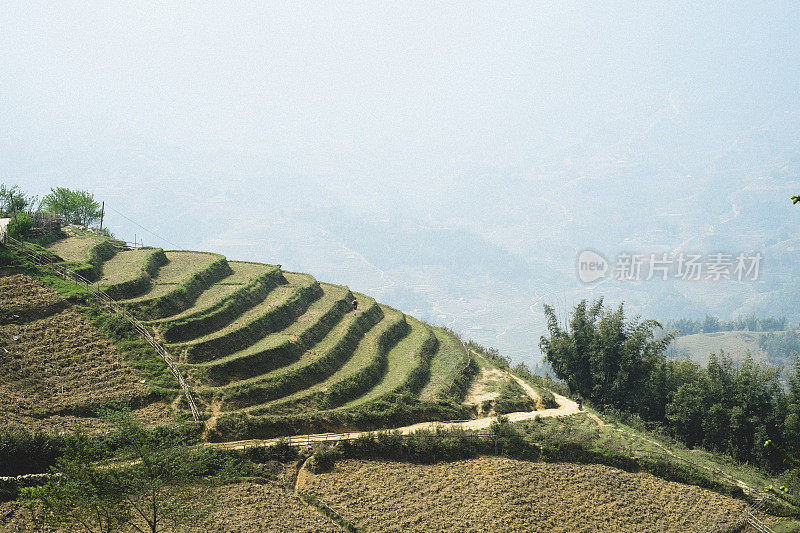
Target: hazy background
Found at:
448, 159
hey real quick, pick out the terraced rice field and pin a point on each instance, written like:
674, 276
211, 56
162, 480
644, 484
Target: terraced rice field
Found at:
124, 267
180, 267
366, 358
498, 494
276, 298
315, 363
402, 359
263, 343
243, 273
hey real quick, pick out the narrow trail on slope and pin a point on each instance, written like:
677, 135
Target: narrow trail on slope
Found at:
478, 391
566, 407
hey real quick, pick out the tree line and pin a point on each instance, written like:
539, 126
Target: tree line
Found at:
712, 324
71, 206
620, 363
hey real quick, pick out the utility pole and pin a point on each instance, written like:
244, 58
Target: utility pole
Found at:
14, 207
102, 212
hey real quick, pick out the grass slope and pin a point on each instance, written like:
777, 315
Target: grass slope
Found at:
446, 365
72, 249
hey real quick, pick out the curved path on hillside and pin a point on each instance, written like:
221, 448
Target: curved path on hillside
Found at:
566, 407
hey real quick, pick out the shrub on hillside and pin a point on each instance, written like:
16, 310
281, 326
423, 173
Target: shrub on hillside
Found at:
324, 459
22, 452
281, 451
19, 226
513, 399
427, 447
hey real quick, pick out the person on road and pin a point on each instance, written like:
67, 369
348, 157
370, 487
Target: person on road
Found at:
355, 305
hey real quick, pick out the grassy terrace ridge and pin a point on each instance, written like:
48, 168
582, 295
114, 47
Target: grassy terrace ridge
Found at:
316, 364
180, 266
280, 308
129, 272
358, 374
223, 312
242, 273
178, 283
282, 347
448, 361
84, 254
73, 249
407, 364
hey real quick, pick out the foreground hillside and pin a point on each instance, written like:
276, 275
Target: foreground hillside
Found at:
269, 353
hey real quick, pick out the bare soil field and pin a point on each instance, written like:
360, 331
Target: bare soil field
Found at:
53, 365
22, 300
498, 494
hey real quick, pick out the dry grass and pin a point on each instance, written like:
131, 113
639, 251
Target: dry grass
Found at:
497, 494
72, 248
21, 300
238, 507
155, 414
250, 507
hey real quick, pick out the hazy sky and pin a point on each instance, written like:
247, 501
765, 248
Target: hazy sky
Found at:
377, 90
447, 158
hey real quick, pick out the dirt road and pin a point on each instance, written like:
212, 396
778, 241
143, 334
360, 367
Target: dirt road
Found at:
566, 407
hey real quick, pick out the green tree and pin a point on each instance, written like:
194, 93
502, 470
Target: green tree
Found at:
79, 492
148, 486
76, 207
14, 200
20, 225
792, 419
158, 484
608, 359
789, 490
